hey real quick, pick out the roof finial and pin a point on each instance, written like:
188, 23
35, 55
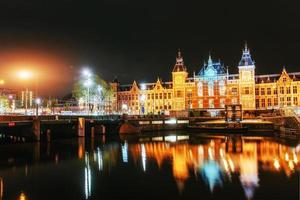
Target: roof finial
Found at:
179, 53
246, 45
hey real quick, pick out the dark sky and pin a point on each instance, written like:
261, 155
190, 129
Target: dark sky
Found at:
138, 40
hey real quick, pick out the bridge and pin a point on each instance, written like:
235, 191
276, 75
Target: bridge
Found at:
46, 127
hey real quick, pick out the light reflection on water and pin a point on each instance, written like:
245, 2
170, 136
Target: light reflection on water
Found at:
212, 163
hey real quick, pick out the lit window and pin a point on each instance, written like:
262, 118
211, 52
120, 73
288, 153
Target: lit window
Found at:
295, 89
210, 89
281, 90
263, 103
295, 101
211, 103
200, 89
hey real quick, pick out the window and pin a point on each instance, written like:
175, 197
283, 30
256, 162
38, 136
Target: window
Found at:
262, 91
169, 95
263, 103
165, 95
257, 103
247, 90
200, 89
211, 103
275, 91
269, 102
210, 89
295, 89
156, 96
178, 94
148, 96
234, 91
160, 95
256, 91
288, 90
281, 90
222, 88
288, 101
295, 99
200, 103
268, 91
234, 101
152, 96
275, 102
222, 103
284, 79
281, 101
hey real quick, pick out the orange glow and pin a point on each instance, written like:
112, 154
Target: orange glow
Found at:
25, 74
46, 71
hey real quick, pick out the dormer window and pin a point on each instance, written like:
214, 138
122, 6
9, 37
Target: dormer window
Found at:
284, 79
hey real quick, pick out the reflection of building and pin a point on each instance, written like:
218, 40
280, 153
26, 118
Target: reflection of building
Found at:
212, 88
216, 158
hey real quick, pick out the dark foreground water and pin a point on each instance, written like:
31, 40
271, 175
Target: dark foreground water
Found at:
170, 167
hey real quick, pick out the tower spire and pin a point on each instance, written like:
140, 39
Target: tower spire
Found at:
246, 45
179, 54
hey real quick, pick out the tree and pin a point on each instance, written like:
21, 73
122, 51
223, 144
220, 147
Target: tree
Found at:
3, 103
100, 93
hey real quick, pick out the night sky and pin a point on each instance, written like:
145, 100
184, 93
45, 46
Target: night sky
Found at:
138, 40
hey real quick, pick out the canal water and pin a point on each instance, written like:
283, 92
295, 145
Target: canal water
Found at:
157, 167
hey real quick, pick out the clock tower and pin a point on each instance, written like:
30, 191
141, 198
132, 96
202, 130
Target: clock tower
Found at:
179, 76
247, 80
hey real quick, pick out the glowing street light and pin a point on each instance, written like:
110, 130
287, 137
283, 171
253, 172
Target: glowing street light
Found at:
24, 74
86, 73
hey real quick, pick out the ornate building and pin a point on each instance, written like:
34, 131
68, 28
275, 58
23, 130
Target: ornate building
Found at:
211, 89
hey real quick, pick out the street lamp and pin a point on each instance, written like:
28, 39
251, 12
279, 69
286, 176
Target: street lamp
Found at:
37, 103
87, 84
99, 89
87, 74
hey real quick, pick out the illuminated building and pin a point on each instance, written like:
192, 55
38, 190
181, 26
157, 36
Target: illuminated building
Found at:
27, 96
210, 89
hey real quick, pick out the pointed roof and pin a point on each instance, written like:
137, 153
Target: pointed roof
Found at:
179, 66
246, 59
217, 67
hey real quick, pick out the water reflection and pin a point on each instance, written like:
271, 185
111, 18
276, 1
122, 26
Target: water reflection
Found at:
210, 163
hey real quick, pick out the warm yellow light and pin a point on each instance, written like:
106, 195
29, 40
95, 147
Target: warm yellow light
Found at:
25, 74
22, 196
276, 164
2, 82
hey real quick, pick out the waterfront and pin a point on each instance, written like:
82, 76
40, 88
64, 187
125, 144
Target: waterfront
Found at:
175, 167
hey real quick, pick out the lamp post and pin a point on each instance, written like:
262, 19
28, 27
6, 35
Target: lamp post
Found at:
37, 103
99, 89
87, 83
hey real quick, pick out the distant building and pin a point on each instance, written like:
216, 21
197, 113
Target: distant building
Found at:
211, 89
27, 98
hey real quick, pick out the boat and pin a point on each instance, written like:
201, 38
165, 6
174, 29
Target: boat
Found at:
128, 128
